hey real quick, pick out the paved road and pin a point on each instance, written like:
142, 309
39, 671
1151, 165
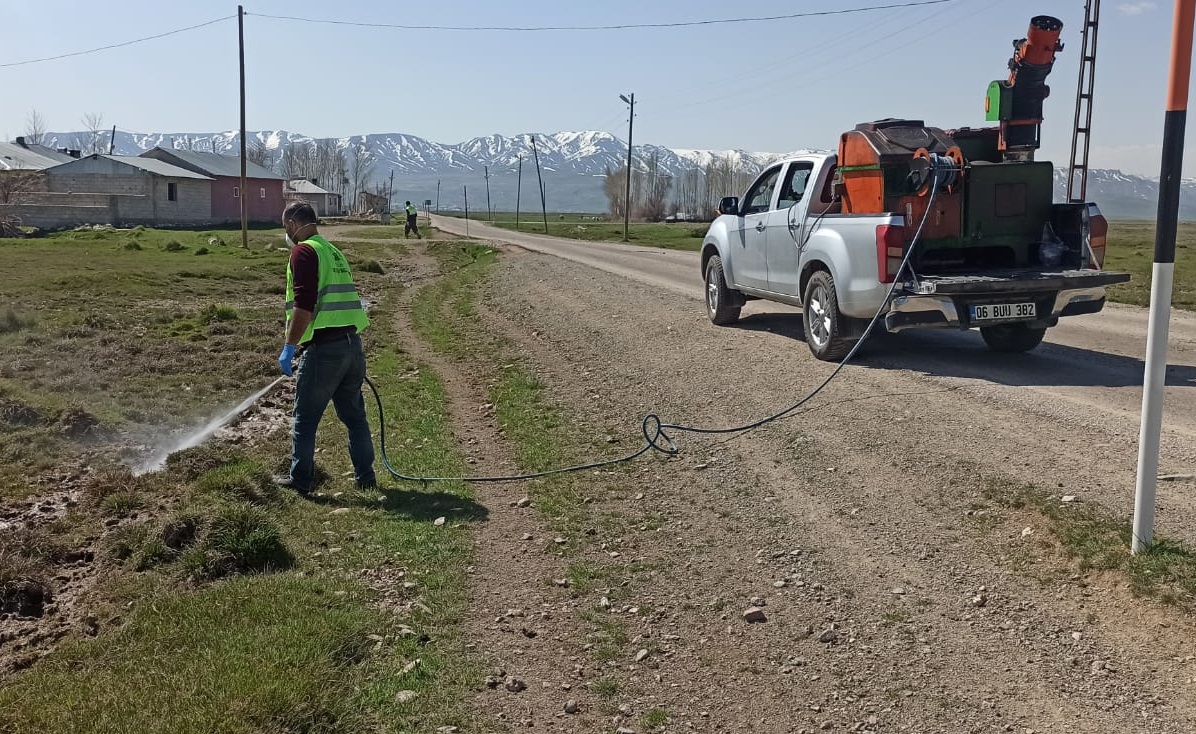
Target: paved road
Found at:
1088, 373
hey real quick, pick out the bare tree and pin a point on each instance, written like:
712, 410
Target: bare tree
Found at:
653, 194
35, 128
361, 167
614, 186
258, 152
329, 169
690, 197
295, 161
15, 184
91, 141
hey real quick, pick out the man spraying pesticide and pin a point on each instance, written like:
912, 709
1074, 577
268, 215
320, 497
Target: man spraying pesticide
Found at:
324, 321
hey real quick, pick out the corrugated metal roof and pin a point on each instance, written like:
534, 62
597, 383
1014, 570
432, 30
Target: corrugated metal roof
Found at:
15, 157
303, 186
162, 168
215, 164
150, 165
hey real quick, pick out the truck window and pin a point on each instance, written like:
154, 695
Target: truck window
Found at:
828, 187
759, 197
795, 184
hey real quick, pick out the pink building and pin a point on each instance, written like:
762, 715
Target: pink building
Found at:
265, 200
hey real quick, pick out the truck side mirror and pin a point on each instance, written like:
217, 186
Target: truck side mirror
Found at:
728, 205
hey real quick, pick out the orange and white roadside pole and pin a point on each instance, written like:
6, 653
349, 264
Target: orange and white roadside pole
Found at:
1163, 275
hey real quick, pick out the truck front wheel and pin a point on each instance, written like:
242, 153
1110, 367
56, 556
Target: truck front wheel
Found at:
1011, 337
722, 306
822, 321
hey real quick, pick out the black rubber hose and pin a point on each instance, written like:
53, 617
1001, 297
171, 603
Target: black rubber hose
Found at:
655, 431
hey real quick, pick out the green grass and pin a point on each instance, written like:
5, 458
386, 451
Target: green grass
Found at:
680, 236
656, 717
1131, 250
606, 688
245, 481
1098, 541
242, 608
442, 311
267, 653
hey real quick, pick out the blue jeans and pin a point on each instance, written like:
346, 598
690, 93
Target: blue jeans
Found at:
333, 371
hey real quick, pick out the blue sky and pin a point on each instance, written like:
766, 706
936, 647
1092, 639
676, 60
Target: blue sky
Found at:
772, 86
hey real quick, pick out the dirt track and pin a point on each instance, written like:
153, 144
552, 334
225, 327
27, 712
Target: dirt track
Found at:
1081, 392
861, 522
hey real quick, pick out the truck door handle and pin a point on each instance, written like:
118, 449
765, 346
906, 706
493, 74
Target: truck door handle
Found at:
760, 226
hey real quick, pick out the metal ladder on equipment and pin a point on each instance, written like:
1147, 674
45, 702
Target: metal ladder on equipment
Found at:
1077, 173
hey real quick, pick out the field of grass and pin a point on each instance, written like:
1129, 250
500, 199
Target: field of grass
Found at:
595, 228
1131, 250
224, 604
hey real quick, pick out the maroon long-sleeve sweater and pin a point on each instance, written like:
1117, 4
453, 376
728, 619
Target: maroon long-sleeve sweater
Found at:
305, 276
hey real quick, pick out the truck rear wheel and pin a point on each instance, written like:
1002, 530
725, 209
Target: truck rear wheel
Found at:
822, 321
722, 306
1011, 337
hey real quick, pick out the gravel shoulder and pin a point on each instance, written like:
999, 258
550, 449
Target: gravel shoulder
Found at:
897, 595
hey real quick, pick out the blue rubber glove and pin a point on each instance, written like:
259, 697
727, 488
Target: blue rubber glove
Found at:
286, 359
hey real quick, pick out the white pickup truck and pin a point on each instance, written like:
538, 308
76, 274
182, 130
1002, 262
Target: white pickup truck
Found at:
997, 254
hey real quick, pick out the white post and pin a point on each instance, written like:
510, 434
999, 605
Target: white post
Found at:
1174, 123
1162, 279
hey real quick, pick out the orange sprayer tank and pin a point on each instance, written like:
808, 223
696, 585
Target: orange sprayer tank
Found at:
874, 167
1040, 44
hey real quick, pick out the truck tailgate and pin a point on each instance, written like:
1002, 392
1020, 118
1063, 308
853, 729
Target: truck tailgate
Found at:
1018, 281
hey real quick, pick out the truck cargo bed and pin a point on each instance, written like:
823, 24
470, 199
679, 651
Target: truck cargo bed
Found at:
1019, 281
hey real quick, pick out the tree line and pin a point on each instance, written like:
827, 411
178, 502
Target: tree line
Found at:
694, 194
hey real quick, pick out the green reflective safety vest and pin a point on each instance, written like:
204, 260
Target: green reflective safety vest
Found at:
411, 211
337, 302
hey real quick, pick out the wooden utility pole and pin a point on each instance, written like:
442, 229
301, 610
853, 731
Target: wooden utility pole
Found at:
390, 193
543, 205
518, 190
112, 142
465, 189
627, 199
489, 210
437, 196
244, 194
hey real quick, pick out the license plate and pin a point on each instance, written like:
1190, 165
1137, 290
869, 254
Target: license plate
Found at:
1003, 311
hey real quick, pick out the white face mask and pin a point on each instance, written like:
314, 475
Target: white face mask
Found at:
290, 242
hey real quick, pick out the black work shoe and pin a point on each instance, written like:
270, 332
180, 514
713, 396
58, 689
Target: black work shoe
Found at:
286, 482
371, 484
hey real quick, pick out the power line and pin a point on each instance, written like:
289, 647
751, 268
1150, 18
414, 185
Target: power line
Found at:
619, 27
807, 76
116, 45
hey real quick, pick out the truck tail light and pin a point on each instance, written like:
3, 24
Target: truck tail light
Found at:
890, 250
1098, 232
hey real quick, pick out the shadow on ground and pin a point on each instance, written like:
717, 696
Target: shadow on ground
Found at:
952, 353
412, 504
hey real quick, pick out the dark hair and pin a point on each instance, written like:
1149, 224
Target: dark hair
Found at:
299, 212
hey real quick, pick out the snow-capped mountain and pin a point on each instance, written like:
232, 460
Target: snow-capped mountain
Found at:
586, 153
570, 164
